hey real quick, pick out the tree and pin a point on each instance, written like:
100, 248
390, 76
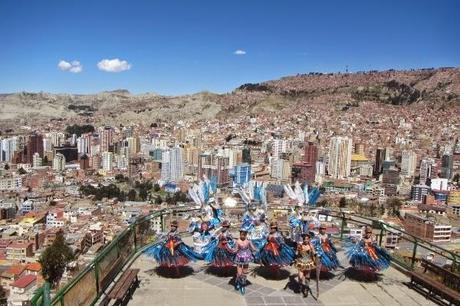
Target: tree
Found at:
3, 299
342, 202
7, 167
120, 178
393, 205
143, 194
159, 200
132, 195
156, 187
22, 171
55, 259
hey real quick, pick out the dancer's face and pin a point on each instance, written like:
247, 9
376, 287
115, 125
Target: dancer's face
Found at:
322, 231
367, 234
272, 230
306, 239
243, 235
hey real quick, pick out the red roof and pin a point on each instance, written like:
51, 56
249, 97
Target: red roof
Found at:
15, 270
24, 281
34, 266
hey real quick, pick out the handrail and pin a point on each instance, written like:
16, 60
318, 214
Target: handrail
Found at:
40, 294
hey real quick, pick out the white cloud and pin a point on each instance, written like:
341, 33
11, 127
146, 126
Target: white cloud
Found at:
113, 65
239, 52
74, 66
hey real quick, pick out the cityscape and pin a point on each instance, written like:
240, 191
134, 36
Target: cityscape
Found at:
91, 183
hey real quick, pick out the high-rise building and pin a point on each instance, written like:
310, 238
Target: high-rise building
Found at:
408, 163
447, 164
84, 162
37, 161
106, 138
418, 192
246, 155
360, 148
84, 144
107, 161
241, 174
7, 148
34, 145
280, 169
340, 150
305, 170
279, 146
133, 145
379, 159
172, 165
59, 162
426, 170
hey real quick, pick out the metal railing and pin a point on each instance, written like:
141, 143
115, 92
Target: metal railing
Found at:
91, 283
87, 287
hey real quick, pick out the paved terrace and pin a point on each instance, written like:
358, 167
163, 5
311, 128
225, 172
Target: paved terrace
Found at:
201, 287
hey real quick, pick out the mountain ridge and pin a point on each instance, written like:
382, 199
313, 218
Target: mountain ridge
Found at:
434, 86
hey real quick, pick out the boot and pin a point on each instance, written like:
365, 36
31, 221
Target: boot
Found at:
306, 288
237, 283
243, 285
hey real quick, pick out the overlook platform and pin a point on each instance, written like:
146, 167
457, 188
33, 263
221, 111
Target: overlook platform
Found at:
200, 287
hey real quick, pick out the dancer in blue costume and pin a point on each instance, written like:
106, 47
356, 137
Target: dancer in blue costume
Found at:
218, 253
243, 256
295, 223
325, 250
202, 238
258, 232
215, 213
171, 252
366, 256
275, 253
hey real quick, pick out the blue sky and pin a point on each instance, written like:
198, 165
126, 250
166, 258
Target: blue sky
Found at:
176, 47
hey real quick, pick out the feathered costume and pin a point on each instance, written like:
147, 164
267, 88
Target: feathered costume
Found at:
326, 252
172, 252
275, 252
366, 255
257, 234
218, 251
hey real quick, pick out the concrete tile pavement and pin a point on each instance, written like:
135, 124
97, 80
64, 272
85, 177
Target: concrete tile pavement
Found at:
203, 289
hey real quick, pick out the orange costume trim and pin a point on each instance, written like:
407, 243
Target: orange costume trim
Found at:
371, 250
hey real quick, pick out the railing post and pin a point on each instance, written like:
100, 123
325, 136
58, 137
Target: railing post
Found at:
46, 294
414, 253
342, 226
381, 234
96, 275
135, 235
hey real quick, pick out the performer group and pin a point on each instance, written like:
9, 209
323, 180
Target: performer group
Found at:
307, 247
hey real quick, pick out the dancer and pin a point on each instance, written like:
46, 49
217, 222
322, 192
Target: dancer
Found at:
243, 256
275, 253
258, 232
366, 256
325, 250
171, 252
295, 223
305, 263
218, 253
202, 238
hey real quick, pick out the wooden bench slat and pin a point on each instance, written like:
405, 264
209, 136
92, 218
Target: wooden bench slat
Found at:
123, 284
438, 287
128, 282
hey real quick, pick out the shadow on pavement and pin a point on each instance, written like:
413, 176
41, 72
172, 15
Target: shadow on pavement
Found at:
171, 272
271, 273
221, 272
